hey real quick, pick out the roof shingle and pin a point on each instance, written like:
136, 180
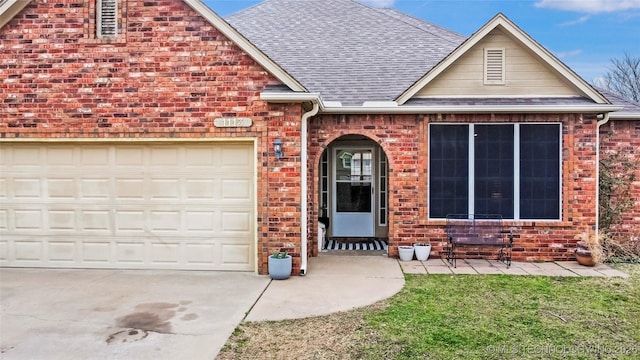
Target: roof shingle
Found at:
345, 50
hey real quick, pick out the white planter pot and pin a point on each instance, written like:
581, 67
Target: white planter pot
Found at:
280, 269
406, 253
422, 252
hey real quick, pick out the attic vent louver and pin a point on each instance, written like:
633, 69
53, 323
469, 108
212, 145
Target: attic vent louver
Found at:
494, 67
107, 18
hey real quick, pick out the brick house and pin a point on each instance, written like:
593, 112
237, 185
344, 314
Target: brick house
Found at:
142, 134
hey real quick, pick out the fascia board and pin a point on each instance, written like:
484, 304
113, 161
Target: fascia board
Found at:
516, 109
520, 35
255, 53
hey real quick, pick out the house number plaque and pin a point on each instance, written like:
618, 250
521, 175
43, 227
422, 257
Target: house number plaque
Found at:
227, 122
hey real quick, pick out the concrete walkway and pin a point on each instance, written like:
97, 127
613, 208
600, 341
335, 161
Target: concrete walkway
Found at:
486, 267
332, 284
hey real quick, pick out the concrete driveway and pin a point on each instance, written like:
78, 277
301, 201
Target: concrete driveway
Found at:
116, 314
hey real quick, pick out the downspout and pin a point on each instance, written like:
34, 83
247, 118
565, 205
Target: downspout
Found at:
304, 188
604, 120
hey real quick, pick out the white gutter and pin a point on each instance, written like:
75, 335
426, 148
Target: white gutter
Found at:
303, 188
290, 97
605, 119
391, 107
623, 116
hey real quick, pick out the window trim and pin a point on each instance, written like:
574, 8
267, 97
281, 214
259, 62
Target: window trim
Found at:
383, 190
516, 165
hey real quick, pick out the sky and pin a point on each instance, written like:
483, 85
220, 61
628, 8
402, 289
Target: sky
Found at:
584, 34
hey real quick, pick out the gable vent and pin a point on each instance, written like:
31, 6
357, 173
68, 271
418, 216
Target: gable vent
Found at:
107, 18
494, 66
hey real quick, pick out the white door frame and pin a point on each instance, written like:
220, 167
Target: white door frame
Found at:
354, 224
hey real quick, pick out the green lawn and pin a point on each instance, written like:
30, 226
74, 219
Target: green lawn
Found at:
467, 317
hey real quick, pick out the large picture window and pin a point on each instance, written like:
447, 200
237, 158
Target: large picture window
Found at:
511, 170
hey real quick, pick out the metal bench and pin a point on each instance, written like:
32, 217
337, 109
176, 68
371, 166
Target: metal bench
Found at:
465, 230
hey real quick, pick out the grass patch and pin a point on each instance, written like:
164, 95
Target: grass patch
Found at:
468, 317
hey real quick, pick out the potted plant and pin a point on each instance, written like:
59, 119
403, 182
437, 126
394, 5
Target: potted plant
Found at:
279, 265
405, 253
588, 250
422, 251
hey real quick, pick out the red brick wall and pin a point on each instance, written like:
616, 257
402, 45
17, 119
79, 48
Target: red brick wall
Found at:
168, 74
623, 137
404, 140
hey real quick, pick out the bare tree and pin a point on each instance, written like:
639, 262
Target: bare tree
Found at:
623, 77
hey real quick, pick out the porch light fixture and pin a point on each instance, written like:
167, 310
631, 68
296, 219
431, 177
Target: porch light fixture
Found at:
277, 148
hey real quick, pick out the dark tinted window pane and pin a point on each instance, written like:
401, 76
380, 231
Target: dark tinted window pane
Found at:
493, 145
353, 197
448, 170
540, 171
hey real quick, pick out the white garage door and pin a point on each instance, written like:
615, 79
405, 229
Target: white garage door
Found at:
123, 205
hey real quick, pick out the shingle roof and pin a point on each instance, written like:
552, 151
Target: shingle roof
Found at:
353, 53
345, 50
630, 107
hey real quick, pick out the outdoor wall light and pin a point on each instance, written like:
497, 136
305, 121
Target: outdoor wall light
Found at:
277, 148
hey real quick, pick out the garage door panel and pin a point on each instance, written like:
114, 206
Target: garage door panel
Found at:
3, 187
130, 222
61, 251
62, 220
27, 188
29, 251
236, 221
94, 189
165, 156
27, 157
237, 157
130, 253
60, 189
61, 156
200, 157
200, 189
165, 253
4, 220
4, 250
28, 219
127, 189
235, 254
165, 189
165, 221
200, 221
95, 252
129, 156
95, 156
236, 189
177, 206
96, 221
200, 254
